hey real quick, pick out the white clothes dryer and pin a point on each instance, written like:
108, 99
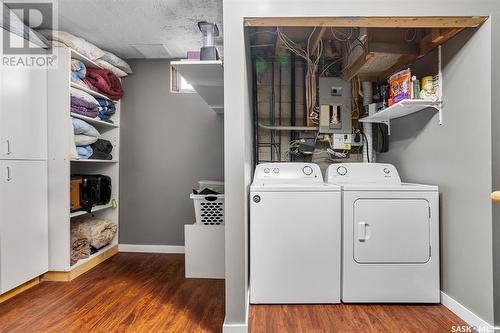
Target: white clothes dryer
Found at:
390, 235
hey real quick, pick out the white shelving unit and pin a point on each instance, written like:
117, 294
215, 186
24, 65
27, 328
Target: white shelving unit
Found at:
61, 166
207, 78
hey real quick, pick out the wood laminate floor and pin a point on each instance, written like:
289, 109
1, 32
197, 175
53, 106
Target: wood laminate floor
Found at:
352, 318
131, 292
135, 292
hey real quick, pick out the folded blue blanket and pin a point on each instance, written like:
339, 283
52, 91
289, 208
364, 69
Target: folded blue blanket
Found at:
84, 152
105, 103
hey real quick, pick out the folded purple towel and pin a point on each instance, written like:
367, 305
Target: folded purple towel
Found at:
92, 113
81, 102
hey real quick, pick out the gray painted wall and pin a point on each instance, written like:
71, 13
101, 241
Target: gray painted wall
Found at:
425, 152
169, 141
495, 129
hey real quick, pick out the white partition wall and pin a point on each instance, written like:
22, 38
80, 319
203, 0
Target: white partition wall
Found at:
238, 143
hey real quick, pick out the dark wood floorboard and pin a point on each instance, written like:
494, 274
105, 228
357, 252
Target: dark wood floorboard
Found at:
131, 292
362, 318
134, 292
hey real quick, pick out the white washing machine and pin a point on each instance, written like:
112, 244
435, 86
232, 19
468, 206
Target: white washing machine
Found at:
390, 235
295, 235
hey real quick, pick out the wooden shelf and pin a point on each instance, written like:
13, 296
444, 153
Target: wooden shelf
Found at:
94, 121
94, 209
207, 79
91, 92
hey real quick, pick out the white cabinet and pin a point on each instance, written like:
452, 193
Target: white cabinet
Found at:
23, 222
204, 251
23, 114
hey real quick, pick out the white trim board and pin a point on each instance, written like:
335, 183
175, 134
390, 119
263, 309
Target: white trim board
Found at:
150, 248
465, 314
238, 327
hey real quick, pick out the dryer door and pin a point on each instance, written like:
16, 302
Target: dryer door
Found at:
391, 230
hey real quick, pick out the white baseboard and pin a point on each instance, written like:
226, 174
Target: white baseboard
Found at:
235, 328
465, 314
238, 327
151, 248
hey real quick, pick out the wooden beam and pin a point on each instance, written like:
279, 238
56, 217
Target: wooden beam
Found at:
354, 69
316, 38
435, 38
370, 22
278, 45
393, 48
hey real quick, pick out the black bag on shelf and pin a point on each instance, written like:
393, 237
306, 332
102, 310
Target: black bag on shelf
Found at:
94, 190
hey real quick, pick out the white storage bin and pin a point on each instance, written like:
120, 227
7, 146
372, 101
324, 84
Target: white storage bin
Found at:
209, 209
214, 185
204, 251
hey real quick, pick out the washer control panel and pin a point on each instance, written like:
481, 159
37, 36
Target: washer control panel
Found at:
290, 173
378, 173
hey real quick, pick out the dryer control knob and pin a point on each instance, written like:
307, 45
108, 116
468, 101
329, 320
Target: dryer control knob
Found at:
307, 170
276, 170
266, 170
387, 171
341, 170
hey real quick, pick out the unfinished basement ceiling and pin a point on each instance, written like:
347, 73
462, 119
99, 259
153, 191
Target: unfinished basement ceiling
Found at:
159, 28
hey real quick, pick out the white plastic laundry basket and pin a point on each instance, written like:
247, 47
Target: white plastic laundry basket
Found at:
209, 209
214, 185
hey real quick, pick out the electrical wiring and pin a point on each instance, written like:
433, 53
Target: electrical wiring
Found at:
366, 143
312, 61
414, 36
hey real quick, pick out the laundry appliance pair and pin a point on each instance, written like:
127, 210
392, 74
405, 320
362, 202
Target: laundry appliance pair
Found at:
361, 236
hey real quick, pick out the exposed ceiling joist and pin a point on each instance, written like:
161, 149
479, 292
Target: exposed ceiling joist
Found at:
316, 38
435, 38
370, 22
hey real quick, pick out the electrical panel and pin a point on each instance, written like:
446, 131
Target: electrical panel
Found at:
335, 106
342, 141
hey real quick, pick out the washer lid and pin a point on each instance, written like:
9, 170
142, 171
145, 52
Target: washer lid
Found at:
287, 173
318, 187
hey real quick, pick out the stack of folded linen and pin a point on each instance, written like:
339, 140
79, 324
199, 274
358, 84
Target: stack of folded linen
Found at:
78, 71
105, 82
85, 136
106, 109
83, 103
101, 150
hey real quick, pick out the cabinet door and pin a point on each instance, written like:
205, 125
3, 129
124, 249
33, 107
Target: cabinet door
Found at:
23, 114
23, 222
